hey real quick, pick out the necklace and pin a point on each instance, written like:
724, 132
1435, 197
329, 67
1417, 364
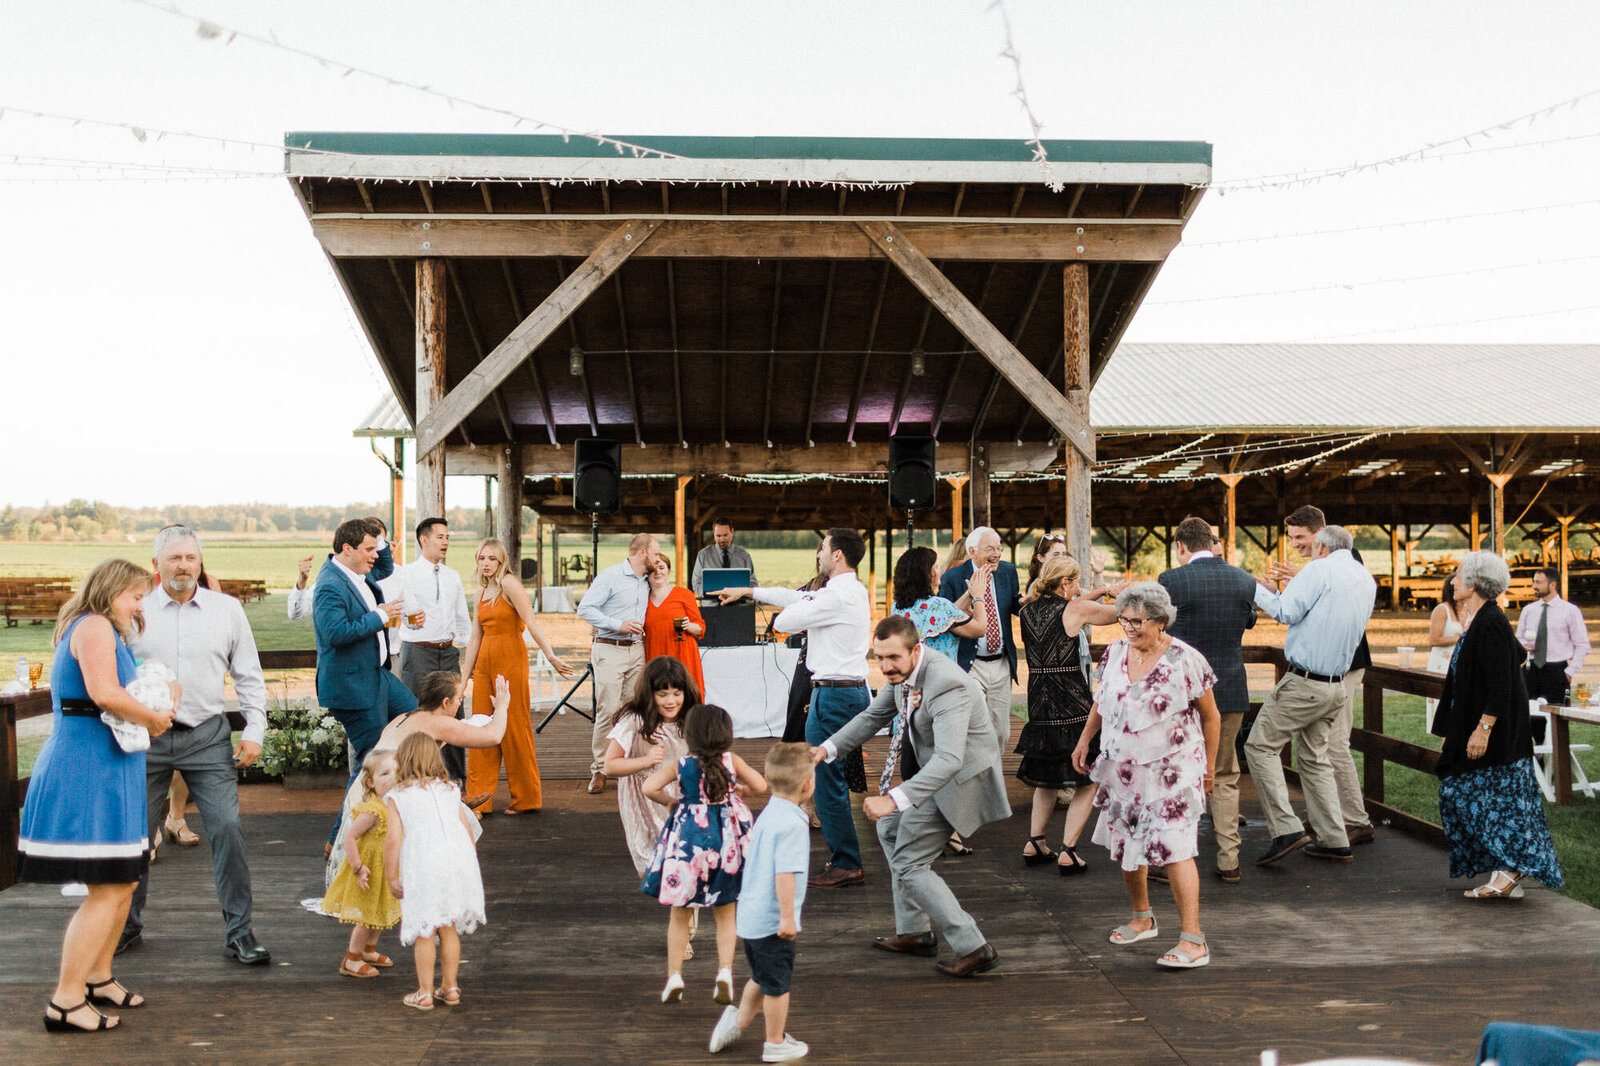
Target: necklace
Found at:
1141, 659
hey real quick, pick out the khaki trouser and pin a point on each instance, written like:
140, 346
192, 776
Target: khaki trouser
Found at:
616, 672
1225, 793
1351, 804
1305, 712
995, 679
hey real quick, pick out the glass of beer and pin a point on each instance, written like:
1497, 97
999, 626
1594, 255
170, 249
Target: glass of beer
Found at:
1581, 691
392, 622
36, 671
414, 619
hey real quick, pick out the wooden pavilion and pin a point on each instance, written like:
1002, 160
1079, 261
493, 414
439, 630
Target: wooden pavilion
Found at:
745, 307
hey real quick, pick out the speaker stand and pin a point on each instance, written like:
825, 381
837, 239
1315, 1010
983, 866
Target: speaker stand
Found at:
594, 548
594, 705
910, 529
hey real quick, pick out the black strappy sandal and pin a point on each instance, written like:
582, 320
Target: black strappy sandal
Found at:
1041, 852
1078, 865
955, 847
61, 1025
125, 1003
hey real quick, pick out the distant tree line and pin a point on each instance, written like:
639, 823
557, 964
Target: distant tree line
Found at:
80, 519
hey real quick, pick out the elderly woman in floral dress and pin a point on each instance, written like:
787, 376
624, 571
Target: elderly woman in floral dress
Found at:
1158, 727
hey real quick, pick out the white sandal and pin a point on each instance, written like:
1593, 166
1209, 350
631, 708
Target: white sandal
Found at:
1497, 889
1123, 935
1182, 960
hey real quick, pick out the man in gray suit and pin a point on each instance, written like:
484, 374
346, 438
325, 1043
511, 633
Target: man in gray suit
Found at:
945, 727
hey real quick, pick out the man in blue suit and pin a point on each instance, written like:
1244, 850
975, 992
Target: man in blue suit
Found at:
354, 681
991, 659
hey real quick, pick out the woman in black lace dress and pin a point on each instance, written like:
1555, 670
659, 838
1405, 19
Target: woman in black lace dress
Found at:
1054, 612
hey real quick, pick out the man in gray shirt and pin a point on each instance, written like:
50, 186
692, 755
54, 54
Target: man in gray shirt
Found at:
721, 554
201, 636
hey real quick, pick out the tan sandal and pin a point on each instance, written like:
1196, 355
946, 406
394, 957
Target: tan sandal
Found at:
180, 832
450, 995
361, 968
377, 958
419, 1000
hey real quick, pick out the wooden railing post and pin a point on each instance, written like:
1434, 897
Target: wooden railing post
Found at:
1372, 721
13, 790
1560, 757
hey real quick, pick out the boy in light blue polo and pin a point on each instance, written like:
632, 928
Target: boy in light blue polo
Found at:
775, 867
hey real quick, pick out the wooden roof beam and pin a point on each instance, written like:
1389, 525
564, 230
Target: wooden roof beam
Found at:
772, 342
602, 263
961, 357
822, 339
866, 357
1017, 331
627, 358
677, 359
1001, 353
748, 237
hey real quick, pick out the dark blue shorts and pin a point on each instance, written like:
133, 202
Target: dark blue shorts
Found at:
771, 961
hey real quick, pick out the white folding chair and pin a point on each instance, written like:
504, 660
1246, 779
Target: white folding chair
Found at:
1544, 750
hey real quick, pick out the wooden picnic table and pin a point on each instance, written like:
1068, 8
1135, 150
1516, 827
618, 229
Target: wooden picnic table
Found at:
1561, 747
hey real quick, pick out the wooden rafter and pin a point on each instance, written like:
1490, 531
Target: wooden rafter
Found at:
530, 333
772, 341
627, 358
866, 356
822, 340
1021, 327
515, 301
677, 359
969, 321
954, 380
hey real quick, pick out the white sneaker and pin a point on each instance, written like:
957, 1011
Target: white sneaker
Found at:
727, 1032
723, 993
788, 1050
673, 992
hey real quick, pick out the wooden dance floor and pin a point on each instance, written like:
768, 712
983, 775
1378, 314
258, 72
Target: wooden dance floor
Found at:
1381, 957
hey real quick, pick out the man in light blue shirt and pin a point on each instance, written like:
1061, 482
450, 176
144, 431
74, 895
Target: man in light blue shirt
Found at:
615, 606
1326, 607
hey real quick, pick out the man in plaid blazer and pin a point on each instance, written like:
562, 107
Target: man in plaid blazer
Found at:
1216, 604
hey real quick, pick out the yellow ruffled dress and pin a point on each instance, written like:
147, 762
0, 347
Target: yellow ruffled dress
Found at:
374, 906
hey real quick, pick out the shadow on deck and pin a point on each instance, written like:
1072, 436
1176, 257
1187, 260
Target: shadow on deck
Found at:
1381, 957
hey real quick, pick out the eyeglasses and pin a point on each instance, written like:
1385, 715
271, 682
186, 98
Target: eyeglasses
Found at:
1132, 623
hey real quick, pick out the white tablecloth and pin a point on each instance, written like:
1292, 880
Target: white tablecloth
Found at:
557, 600
752, 684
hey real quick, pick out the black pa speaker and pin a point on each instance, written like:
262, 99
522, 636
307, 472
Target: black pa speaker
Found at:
597, 476
911, 472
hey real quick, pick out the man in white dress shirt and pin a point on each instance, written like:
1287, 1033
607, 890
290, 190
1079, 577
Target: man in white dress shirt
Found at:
303, 595
433, 590
837, 621
202, 636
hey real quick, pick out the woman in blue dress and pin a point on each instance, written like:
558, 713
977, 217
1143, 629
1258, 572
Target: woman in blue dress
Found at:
85, 817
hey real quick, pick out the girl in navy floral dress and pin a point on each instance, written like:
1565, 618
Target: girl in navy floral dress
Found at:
699, 859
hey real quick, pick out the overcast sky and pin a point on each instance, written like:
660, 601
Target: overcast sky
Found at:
173, 341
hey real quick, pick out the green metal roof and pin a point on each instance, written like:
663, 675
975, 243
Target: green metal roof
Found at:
865, 148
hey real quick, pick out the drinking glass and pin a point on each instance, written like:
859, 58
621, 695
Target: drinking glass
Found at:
1582, 692
36, 671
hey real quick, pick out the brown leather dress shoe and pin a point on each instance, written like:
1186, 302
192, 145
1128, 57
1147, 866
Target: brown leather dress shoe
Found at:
1228, 877
922, 944
1358, 834
983, 960
838, 877
597, 784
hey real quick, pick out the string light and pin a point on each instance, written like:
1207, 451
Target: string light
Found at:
1294, 234
1427, 151
1375, 281
1036, 142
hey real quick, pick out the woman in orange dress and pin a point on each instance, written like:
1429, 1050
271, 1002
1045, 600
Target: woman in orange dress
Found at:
668, 603
496, 647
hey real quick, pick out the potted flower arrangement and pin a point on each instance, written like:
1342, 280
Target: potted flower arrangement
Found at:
304, 745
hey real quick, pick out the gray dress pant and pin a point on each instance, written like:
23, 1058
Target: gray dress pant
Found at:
204, 755
416, 663
911, 840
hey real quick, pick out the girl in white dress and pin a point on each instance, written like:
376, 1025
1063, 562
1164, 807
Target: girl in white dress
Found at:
432, 867
1444, 629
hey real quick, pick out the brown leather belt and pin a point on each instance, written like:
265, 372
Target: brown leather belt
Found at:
828, 682
440, 645
614, 642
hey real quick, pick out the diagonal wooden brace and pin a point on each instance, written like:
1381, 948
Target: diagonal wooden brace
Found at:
1001, 353
531, 332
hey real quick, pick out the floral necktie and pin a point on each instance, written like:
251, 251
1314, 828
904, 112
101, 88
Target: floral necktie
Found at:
897, 737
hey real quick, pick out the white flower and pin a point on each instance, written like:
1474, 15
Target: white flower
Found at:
329, 722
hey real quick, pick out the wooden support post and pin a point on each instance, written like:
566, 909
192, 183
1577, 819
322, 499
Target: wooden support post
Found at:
556, 577
1372, 722
508, 509
958, 517
1561, 555
888, 564
980, 485
430, 381
397, 501
1230, 514
1394, 565
488, 505
680, 534
1411, 549
538, 563
1497, 511
872, 564
1475, 536
1560, 757
1075, 385
1166, 538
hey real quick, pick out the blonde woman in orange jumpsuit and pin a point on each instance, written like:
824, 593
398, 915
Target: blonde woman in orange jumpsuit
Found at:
496, 647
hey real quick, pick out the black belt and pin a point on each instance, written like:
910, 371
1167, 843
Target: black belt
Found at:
437, 645
79, 709
829, 682
1331, 679
990, 658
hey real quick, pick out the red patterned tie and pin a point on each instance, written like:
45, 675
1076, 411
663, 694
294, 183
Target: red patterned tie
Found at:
991, 624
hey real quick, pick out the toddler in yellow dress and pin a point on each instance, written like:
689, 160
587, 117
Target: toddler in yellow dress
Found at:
359, 894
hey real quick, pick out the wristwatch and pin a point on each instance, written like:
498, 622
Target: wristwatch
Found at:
1486, 728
